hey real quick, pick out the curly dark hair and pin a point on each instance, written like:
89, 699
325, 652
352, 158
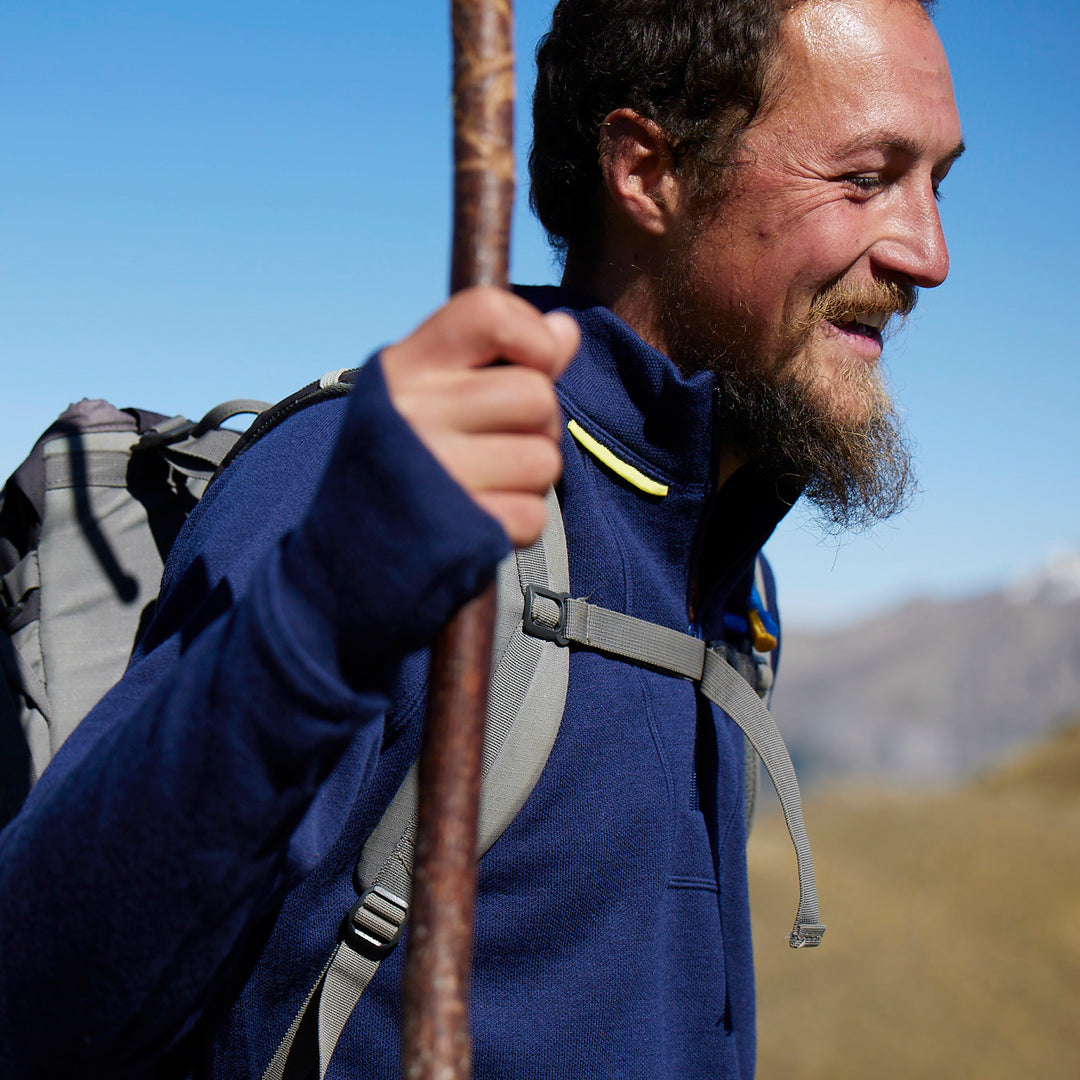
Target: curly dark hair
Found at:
696, 67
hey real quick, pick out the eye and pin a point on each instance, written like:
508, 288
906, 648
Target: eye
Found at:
864, 183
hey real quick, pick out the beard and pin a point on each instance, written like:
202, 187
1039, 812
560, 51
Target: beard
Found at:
839, 439
854, 474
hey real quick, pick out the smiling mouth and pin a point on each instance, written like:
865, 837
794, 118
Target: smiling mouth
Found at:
867, 324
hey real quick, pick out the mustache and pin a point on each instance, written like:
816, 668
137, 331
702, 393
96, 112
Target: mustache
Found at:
843, 301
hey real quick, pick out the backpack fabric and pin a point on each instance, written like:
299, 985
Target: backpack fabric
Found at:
86, 522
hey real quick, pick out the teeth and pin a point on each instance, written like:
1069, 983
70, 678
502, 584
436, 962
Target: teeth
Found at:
875, 319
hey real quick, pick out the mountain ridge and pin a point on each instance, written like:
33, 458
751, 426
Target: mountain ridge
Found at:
934, 690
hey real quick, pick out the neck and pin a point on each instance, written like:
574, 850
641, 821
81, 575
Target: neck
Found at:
730, 462
626, 283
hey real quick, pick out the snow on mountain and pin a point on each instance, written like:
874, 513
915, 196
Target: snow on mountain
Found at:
1057, 581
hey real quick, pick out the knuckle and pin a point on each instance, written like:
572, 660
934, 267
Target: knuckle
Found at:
417, 398
486, 304
511, 325
503, 336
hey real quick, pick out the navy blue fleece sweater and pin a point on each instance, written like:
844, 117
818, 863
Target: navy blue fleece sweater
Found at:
175, 882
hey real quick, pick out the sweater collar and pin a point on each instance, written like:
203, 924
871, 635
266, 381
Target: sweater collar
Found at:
636, 400
633, 394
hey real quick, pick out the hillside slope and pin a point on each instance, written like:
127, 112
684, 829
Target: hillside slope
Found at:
953, 948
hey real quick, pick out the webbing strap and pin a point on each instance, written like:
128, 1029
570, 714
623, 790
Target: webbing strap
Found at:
22, 578
347, 976
208, 449
85, 468
227, 410
526, 700
634, 639
722, 684
560, 618
276, 1069
751, 670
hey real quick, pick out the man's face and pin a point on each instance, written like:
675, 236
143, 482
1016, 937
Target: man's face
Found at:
831, 218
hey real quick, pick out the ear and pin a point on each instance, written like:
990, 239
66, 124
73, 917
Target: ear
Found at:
638, 170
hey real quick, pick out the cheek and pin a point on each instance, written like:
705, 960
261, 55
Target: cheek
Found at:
791, 247
811, 225
806, 260
778, 203
771, 251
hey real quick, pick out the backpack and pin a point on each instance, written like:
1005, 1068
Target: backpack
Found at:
85, 525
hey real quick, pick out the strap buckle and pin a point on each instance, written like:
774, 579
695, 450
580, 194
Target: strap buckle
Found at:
166, 433
531, 616
375, 923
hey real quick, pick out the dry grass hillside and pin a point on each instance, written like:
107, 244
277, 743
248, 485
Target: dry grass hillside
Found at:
953, 948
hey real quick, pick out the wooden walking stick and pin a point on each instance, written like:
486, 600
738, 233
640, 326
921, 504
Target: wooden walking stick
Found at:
436, 1043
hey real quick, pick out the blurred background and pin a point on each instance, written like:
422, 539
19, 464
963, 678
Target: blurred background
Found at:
206, 201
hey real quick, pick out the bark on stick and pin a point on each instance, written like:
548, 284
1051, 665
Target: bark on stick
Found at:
436, 1041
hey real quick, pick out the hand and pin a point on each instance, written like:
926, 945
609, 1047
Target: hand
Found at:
494, 428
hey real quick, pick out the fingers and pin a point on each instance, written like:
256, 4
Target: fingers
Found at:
508, 476
475, 382
479, 326
503, 398
522, 463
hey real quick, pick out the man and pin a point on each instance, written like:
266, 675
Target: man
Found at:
745, 194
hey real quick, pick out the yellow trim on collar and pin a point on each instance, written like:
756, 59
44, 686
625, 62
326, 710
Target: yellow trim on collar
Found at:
621, 468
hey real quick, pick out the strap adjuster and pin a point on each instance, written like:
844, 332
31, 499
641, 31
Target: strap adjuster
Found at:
546, 631
806, 935
375, 923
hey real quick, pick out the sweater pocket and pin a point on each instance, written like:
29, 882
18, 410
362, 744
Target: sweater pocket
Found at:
695, 1016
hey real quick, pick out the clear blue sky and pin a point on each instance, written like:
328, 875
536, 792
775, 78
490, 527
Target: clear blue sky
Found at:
201, 201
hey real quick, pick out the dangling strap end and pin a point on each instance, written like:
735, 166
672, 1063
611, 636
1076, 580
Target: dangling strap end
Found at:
806, 935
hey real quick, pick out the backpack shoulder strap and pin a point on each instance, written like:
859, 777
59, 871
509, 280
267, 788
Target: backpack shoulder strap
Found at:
564, 620
526, 700
755, 662
332, 384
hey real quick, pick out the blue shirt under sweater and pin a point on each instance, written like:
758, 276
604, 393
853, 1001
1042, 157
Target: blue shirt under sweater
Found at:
176, 880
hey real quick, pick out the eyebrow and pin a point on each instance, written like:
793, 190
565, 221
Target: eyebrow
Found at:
900, 144
956, 152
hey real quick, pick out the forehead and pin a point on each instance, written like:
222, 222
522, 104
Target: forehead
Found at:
851, 70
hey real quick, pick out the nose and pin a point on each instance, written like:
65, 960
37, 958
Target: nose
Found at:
913, 245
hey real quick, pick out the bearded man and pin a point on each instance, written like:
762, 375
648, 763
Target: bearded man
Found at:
745, 194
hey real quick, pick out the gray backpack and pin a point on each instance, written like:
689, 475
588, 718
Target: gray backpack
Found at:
85, 525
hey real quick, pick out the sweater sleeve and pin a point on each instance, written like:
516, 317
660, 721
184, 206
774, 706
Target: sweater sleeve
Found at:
159, 835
